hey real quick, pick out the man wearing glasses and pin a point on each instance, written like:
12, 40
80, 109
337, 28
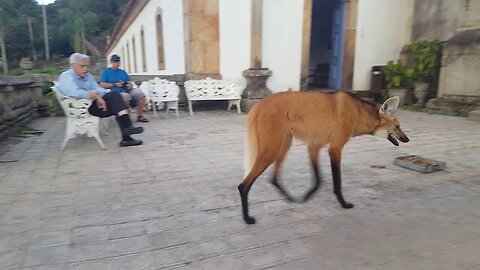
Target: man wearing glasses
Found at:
78, 83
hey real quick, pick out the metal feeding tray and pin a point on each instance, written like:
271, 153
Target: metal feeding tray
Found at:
418, 163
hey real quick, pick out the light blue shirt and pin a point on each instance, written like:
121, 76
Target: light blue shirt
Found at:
71, 85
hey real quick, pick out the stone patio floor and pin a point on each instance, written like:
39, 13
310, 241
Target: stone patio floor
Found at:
172, 203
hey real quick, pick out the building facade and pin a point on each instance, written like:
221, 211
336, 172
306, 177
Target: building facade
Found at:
329, 43
196, 37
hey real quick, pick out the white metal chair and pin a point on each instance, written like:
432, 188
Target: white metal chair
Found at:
79, 120
160, 91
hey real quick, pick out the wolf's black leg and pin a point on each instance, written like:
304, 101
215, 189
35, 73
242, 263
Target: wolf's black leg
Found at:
335, 157
317, 182
282, 189
337, 186
244, 195
313, 151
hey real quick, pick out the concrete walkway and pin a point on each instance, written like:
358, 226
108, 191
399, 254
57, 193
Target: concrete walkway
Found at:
173, 203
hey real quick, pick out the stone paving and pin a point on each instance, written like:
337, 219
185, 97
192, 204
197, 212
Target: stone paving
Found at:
173, 203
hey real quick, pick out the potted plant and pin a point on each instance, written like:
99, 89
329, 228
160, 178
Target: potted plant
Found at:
398, 79
425, 55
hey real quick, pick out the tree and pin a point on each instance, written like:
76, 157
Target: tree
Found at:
73, 25
14, 37
7, 13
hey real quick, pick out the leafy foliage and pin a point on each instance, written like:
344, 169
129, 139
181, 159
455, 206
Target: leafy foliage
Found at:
68, 22
426, 56
397, 75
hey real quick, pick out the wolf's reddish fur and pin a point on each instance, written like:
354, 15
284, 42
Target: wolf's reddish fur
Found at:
318, 119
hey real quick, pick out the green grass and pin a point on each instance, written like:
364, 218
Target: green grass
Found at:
26, 131
42, 70
15, 72
47, 70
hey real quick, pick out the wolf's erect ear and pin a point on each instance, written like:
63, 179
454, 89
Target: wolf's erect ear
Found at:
389, 107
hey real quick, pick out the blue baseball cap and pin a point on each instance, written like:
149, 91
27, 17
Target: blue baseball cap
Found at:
115, 58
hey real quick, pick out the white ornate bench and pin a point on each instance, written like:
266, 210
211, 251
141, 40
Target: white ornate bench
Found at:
79, 120
160, 90
210, 89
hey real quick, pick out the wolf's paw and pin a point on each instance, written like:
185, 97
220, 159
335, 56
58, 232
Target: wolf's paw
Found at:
249, 220
347, 205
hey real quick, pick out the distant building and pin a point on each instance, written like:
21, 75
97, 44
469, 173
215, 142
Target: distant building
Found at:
331, 43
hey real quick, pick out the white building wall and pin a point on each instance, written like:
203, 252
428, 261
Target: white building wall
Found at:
235, 21
282, 43
383, 28
173, 36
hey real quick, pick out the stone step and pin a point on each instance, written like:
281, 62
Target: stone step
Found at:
474, 116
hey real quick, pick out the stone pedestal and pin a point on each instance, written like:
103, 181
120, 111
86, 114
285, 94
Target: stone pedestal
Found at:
474, 116
256, 88
26, 65
421, 92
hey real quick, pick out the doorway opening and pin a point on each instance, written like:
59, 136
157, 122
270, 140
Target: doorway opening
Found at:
326, 44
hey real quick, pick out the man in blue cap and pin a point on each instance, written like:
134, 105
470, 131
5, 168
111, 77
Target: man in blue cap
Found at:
116, 79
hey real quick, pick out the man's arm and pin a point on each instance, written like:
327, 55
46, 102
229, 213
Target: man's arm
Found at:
128, 80
66, 86
93, 85
107, 85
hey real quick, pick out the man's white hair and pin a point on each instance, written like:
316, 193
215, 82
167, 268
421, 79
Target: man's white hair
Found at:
78, 57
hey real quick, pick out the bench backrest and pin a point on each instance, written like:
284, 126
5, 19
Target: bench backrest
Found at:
72, 107
212, 89
160, 89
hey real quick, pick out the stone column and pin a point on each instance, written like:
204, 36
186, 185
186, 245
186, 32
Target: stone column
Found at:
26, 65
256, 76
202, 47
306, 35
351, 11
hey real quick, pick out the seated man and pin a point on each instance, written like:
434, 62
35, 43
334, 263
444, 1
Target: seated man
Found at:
115, 78
78, 83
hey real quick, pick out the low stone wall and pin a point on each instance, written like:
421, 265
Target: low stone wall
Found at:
453, 104
21, 100
460, 61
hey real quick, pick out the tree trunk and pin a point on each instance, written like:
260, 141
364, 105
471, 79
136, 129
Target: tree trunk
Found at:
92, 49
30, 31
84, 49
4, 54
45, 33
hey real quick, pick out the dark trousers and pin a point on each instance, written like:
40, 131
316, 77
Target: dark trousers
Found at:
114, 102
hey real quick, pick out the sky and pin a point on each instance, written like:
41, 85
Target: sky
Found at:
46, 2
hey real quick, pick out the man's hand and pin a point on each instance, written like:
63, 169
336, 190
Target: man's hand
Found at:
102, 104
118, 84
92, 94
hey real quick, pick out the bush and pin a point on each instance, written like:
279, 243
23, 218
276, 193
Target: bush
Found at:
397, 75
426, 55
47, 87
15, 72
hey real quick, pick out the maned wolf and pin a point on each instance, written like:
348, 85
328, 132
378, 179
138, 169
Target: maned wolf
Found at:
317, 119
